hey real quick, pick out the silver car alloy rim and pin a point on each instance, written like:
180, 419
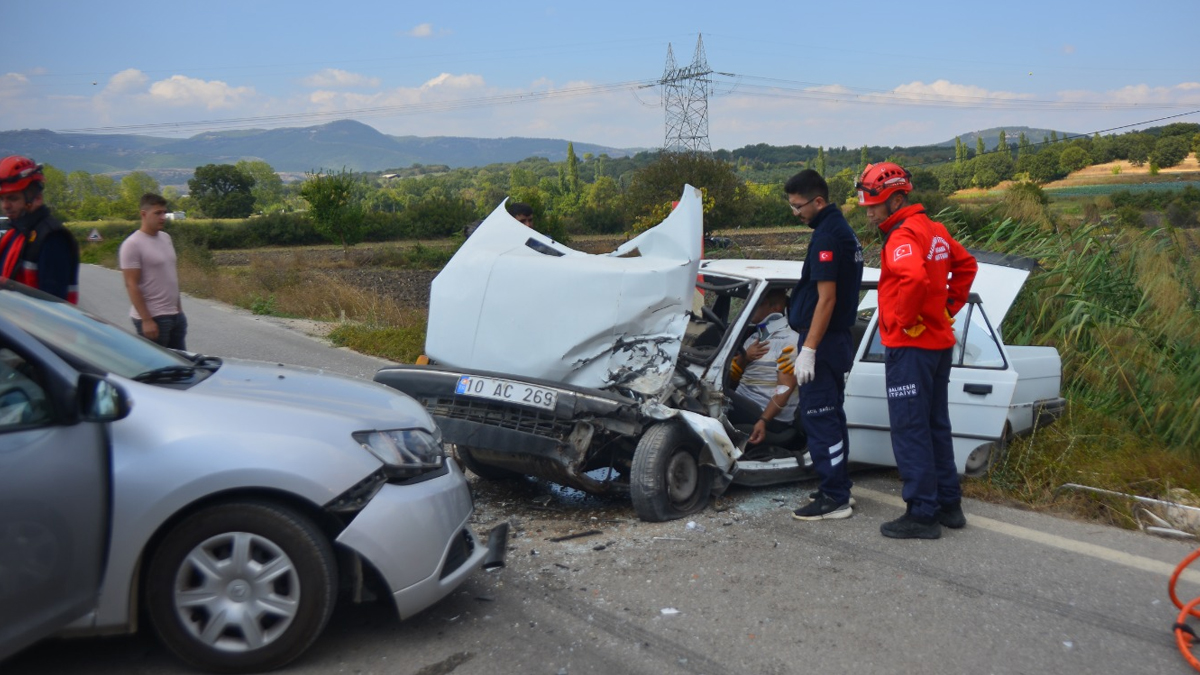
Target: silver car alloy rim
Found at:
237, 591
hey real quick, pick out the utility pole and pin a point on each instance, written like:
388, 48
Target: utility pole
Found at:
685, 94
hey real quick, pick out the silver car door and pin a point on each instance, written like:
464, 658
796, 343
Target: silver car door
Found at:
55, 483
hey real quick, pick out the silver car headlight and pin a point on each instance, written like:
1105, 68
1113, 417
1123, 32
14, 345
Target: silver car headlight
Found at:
405, 452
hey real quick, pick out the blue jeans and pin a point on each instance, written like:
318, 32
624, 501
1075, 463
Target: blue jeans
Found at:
172, 330
918, 383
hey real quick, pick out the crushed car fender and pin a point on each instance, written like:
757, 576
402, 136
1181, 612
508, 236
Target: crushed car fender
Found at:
525, 289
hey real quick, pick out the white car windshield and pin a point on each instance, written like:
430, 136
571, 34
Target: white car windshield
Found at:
82, 338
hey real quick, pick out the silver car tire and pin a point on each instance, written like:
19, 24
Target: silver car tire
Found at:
241, 587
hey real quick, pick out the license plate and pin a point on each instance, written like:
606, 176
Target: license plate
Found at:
506, 390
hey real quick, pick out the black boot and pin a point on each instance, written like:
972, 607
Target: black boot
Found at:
952, 516
908, 527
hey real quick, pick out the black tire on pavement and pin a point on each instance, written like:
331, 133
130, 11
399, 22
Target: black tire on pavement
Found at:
484, 471
668, 481
241, 587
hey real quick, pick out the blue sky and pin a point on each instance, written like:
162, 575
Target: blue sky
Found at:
790, 73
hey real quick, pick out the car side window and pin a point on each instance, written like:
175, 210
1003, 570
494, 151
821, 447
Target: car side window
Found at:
23, 401
975, 346
979, 347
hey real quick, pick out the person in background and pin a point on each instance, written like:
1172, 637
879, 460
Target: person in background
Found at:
522, 212
36, 250
148, 262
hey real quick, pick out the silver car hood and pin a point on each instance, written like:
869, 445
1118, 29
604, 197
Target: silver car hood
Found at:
297, 388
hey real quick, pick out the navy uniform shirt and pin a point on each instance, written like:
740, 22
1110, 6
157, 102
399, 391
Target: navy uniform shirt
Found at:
834, 254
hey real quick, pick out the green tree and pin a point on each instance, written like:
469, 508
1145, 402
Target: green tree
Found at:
1074, 158
979, 149
863, 160
1053, 136
821, 160
662, 181
992, 168
1002, 142
334, 207
572, 170
222, 191
1022, 145
56, 194
1170, 151
268, 186
960, 151
133, 186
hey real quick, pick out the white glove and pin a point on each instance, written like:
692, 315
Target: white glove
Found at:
806, 365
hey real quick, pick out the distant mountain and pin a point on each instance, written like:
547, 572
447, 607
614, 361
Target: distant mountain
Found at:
992, 136
331, 146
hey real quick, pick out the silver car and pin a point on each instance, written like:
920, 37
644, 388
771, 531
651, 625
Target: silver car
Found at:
231, 501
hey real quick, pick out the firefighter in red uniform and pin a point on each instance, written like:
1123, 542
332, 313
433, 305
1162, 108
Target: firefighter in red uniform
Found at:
925, 276
36, 250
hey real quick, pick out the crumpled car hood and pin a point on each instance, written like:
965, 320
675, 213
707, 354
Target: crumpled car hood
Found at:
512, 300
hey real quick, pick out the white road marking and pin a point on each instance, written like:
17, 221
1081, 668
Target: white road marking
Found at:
1074, 546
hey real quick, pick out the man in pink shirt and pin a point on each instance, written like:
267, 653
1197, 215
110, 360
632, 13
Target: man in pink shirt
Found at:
147, 260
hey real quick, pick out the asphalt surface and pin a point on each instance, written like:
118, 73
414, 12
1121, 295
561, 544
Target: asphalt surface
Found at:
739, 588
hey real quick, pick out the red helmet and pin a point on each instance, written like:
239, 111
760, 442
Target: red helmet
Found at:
880, 181
17, 172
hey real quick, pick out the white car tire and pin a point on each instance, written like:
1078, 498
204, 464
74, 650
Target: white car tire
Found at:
668, 481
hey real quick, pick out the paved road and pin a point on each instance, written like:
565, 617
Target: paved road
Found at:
222, 330
752, 590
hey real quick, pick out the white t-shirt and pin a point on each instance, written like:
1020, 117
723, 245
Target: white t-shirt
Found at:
760, 377
155, 257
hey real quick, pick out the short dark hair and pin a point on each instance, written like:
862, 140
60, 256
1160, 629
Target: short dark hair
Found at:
519, 209
776, 295
150, 199
808, 184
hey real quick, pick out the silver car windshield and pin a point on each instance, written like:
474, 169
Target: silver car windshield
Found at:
79, 336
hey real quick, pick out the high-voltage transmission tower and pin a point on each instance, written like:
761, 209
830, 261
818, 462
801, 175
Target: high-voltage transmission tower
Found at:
685, 94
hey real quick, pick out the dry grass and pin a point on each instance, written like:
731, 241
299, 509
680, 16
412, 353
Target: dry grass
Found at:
1102, 174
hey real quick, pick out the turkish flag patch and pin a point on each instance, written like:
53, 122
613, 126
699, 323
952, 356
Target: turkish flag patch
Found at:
902, 251
825, 256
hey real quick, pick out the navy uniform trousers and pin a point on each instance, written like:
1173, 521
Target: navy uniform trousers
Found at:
918, 383
822, 411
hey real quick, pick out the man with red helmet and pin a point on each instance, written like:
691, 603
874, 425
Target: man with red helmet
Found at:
36, 250
924, 278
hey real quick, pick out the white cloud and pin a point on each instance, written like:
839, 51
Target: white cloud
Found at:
950, 91
335, 78
421, 31
454, 81
181, 90
126, 82
11, 83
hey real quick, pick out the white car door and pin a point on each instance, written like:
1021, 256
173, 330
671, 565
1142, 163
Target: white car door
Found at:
981, 389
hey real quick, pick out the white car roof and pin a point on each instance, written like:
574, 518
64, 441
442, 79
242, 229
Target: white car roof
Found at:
997, 283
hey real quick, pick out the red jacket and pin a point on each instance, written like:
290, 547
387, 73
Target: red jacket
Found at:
924, 273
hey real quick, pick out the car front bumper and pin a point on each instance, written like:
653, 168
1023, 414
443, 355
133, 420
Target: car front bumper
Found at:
416, 536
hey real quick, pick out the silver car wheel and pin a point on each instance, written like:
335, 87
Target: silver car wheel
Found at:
236, 591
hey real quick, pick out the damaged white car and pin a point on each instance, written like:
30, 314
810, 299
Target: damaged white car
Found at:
610, 372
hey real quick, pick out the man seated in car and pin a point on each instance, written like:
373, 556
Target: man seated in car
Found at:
764, 402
